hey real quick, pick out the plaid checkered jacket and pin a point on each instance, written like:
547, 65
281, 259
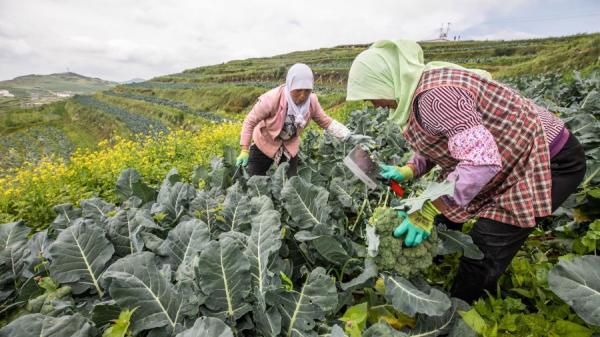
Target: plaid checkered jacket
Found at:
521, 191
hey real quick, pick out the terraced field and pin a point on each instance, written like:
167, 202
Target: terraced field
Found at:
202, 96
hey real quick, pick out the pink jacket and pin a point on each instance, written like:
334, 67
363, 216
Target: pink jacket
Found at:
265, 121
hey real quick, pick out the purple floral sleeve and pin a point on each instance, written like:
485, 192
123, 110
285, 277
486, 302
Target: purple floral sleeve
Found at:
469, 180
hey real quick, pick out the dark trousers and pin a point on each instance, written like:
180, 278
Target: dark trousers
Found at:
259, 163
499, 242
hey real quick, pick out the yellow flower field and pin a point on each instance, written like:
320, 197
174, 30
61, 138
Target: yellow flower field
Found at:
32, 191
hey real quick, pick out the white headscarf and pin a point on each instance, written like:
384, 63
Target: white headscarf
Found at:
299, 76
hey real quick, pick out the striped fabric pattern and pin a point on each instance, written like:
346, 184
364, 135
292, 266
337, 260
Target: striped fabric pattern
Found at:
552, 124
451, 110
447, 111
521, 191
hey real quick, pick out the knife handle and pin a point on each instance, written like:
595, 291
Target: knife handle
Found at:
398, 190
394, 185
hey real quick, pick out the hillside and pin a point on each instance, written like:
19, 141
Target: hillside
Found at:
201, 96
36, 90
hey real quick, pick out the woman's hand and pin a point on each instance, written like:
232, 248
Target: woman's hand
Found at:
397, 173
242, 159
416, 226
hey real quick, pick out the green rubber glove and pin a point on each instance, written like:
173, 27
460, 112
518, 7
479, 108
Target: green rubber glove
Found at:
416, 226
398, 173
242, 159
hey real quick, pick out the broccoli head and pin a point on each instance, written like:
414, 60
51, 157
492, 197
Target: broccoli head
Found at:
392, 256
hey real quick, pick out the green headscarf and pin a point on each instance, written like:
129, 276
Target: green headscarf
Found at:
392, 70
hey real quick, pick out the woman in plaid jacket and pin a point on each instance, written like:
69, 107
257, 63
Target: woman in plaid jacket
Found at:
511, 161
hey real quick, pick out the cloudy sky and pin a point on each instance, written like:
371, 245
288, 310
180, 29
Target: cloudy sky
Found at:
124, 39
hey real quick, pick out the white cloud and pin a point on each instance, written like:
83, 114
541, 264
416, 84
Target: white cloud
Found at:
119, 40
506, 34
14, 47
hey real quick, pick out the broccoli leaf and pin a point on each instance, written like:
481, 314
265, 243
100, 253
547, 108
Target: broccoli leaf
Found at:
130, 184
46, 326
207, 326
577, 282
299, 309
263, 243
306, 203
405, 297
79, 256
183, 244
135, 281
452, 241
223, 273
433, 191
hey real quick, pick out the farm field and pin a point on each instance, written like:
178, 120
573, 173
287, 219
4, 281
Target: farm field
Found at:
137, 227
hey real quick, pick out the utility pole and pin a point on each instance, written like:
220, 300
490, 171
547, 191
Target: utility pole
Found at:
444, 31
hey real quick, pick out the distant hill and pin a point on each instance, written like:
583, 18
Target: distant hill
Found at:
35, 90
198, 97
133, 80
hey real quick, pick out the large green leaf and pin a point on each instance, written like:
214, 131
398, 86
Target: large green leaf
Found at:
236, 208
344, 190
365, 277
37, 252
13, 251
221, 174
13, 257
79, 256
38, 325
174, 198
452, 241
306, 203
207, 327
330, 249
337, 331
182, 246
125, 228
66, 214
405, 297
278, 180
223, 273
263, 243
96, 210
577, 282
206, 206
11, 234
462, 329
299, 309
130, 185
267, 320
431, 326
261, 204
135, 281
382, 329
103, 313
258, 186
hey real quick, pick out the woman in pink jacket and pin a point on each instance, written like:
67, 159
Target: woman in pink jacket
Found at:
271, 131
